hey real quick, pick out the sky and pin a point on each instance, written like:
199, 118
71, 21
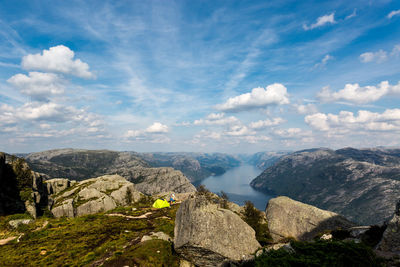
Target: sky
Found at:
202, 76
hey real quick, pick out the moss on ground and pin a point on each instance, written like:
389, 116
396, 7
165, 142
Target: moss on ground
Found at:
90, 240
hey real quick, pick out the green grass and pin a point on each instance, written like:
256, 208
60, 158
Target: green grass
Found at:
87, 239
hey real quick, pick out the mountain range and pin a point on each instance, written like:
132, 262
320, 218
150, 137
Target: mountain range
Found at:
361, 184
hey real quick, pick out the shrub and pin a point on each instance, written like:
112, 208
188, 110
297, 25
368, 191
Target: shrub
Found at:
254, 218
224, 200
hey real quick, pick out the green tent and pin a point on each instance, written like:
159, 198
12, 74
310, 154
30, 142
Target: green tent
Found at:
160, 203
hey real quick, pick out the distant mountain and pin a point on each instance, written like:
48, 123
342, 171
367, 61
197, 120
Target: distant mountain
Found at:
195, 166
79, 164
263, 160
363, 185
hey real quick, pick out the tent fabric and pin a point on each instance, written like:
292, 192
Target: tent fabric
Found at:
160, 203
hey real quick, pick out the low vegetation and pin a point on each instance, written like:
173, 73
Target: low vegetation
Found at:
91, 240
320, 253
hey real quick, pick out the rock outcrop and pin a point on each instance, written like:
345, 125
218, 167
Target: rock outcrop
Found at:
289, 218
157, 180
360, 184
94, 195
207, 235
21, 189
390, 242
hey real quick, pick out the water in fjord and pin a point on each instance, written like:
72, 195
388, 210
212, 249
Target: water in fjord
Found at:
236, 184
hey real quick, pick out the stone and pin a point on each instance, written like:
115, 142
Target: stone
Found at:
289, 218
95, 195
16, 223
152, 181
65, 209
57, 185
207, 235
157, 235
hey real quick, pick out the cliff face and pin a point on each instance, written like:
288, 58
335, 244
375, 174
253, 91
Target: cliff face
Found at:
20, 188
362, 185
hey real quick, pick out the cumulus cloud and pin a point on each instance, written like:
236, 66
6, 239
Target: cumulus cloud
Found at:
306, 109
274, 94
157, 128
261, 124
239, 130
153, 133
393, 13
217, 119
46, 112
389, 120
321, 21
354, 93
380, 56
57, 59
39, 86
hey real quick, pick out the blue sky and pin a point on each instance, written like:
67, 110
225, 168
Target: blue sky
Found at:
227, 76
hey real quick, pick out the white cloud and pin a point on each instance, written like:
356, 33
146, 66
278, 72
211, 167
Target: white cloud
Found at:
40, 86
356, 94
395, 51
256, 139
393, 13
389, 120
217, 119
239, 130
153, 133
306, 109
266, 123
46, 112
379, 56
352, 15
292, 133
57, 59
274, 94
133, 133
324, 61
321, 21
157, 128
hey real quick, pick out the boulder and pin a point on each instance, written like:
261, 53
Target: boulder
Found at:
289, 218
94, 195
55, 186
16, 223
207, 235
152, 181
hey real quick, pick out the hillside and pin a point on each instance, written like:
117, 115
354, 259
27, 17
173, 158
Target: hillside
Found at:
362, 185
195, 166
81, 164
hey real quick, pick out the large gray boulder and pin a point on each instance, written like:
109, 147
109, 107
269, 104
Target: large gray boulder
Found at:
289, 218
94, 195
152, 181
208, 235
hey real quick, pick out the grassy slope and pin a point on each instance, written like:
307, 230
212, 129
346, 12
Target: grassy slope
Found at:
91, 240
